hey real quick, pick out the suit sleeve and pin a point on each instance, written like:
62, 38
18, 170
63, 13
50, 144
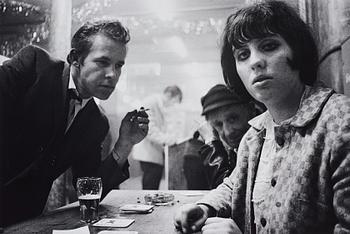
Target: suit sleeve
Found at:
91, 163
112, 174
18, 74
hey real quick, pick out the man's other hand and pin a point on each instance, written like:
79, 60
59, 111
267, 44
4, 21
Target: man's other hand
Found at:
134, 127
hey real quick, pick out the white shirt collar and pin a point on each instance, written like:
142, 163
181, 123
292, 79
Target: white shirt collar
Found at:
71, 85
269, 125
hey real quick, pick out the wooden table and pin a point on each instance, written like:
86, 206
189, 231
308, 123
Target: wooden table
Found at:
159, 221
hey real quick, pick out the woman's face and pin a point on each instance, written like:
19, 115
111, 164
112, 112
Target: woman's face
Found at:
264, 68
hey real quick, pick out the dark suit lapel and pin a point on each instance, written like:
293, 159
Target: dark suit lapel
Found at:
87, 123
81, 119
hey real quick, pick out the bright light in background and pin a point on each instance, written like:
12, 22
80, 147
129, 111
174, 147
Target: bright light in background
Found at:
144, 69
177, 46
172, 44
163, 9
122, 84
195, 69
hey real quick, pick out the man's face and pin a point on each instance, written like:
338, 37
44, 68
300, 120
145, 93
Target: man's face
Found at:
100, 71
231, 122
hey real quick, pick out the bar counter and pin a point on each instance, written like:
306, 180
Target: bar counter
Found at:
67, 217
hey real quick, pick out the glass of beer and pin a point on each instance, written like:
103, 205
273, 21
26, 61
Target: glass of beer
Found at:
89, 191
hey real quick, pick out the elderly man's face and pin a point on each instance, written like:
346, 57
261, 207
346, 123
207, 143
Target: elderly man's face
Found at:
231, 122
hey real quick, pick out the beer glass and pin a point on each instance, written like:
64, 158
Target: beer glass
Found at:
89, 191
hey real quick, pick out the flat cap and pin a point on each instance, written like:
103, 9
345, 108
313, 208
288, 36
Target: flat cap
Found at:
219, 96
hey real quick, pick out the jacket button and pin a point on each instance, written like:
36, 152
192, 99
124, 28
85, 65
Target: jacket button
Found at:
273, 182
40, 149
52, 163
263, 222
278, 204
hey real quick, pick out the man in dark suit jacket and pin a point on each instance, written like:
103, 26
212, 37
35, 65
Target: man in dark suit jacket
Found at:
46, 130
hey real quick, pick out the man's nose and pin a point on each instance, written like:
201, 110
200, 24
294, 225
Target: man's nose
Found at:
111, 73
226, 129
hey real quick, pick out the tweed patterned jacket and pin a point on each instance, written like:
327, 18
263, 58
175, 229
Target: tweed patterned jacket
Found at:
310, 185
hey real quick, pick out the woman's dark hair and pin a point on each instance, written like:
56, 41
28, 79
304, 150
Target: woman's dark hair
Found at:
266, 19
81, 41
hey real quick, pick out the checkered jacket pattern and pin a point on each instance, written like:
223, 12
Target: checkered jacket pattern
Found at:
310, 185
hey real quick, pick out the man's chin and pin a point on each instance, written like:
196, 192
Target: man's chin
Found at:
103, 96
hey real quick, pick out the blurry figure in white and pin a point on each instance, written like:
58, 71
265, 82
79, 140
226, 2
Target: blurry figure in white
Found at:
150, 152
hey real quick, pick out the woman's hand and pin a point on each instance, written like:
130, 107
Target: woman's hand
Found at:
190, 218
217, 225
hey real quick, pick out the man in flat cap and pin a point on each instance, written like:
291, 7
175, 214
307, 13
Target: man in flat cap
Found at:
227, 118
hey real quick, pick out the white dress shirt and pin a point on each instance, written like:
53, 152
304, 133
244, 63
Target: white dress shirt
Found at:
77, 105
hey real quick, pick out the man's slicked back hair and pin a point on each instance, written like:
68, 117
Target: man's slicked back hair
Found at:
81, 41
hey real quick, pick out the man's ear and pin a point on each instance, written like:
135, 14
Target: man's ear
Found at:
76, 64
73, 58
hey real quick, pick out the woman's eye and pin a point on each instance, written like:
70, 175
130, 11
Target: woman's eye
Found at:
270, 46
242, 55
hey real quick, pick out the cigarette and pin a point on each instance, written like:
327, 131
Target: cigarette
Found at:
142, 109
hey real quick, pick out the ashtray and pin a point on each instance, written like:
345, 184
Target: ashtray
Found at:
159, 199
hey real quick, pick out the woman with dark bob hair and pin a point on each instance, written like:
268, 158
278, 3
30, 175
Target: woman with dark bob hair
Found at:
293, 164
253, 22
